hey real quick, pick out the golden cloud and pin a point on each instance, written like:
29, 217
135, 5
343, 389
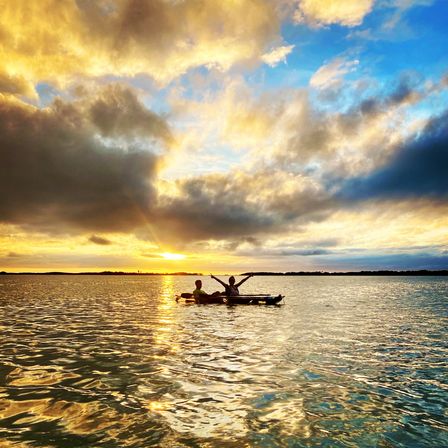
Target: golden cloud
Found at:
57, 40
377, 224
326, 12
15, 85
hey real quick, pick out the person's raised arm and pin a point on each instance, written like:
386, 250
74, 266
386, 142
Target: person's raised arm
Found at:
243, 280
218, 280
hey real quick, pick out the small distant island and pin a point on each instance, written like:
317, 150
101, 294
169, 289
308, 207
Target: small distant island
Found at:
422, 272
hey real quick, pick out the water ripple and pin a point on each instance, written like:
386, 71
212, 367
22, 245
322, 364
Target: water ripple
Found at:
116, 362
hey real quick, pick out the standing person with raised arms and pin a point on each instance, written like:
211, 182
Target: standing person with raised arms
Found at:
232, 288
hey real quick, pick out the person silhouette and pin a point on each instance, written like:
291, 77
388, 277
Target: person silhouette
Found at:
199, 293
232, 288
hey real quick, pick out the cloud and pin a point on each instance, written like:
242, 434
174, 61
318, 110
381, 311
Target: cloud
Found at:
272, 252
326, 12
304, 252
151, 255
393, 261
406, 92
90, 165
239, 205
399, 10
100, 240
59, 172
329, 75
14, 255
341, 142
47, 262
416, 169
117, 112
277, 55
287, 129
56, 41
394, 26
15, 85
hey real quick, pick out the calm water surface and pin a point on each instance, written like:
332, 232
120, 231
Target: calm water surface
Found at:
94, 361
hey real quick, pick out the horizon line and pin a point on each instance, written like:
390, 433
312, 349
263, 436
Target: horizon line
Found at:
384, 272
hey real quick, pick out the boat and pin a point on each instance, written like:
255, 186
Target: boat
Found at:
245, 299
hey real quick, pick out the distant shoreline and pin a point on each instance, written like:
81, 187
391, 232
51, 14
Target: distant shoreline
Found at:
423, 272
101, 273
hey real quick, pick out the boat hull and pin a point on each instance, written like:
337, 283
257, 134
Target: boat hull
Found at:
254, 300
235, 300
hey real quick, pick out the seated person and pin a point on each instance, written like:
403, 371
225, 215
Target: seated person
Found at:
231, 288
198, 292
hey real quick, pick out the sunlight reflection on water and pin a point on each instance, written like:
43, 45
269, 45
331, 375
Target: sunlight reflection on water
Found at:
115, 361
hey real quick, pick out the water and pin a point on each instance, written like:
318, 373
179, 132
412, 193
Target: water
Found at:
90, 361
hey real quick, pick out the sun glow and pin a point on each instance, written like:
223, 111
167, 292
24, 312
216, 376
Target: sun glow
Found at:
170, 256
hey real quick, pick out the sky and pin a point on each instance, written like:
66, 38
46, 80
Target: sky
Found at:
223, 136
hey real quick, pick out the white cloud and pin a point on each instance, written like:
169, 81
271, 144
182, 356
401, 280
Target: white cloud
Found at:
277, 55
330, 75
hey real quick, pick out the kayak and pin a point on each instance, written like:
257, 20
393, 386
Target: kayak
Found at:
254, 300
246, 299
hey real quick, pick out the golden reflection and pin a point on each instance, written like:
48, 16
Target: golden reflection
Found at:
16, 444
163, 331
158, 406
202, 420
38, 377
78, 418
167, 294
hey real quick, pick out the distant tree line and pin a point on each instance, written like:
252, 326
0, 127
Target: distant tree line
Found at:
101, 273
421, 272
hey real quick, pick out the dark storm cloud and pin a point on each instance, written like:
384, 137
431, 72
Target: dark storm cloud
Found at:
239, 206
418, 169
404, 92
117, 112
213, 206
62, 171
100, 240
56, 173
